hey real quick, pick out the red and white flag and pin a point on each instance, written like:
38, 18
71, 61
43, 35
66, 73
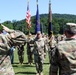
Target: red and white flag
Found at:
28, 17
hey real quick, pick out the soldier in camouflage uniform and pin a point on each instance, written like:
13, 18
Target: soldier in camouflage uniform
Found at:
30, 46
63, 58
14, 38
51, 44
39, 53
5, 63
21, 53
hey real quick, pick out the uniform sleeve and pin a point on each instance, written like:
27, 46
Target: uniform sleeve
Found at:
19, 38
3, 46
45, 46
34, 47
3, 43
54, 60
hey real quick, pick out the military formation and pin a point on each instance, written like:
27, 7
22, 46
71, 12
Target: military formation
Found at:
61, 50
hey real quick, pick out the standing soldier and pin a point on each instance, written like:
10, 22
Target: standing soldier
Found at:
64, 55
14, 38
30, 46
21, 53
52, 44
39, 53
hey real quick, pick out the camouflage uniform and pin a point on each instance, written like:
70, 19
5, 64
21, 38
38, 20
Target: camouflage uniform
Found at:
19, 40
5, 63
21, 53
46, 42
30, 46
64, 54
64, 57
51, 46
39, 54
6, 42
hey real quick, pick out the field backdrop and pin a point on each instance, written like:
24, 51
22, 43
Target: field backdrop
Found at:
26, 69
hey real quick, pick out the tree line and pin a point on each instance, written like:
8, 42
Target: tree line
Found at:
58, 22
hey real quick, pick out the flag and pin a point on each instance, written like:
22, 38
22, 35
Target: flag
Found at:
37, 19
50, 29
28, 16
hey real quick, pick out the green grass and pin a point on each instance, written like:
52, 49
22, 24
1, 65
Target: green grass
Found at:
26, 69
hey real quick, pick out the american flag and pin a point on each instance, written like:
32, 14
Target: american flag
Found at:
28, 16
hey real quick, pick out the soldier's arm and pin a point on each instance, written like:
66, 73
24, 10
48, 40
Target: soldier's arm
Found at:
34, 47
3, 42
7, 29
45, 47
3, 46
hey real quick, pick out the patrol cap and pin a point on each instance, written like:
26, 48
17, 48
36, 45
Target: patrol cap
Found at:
71, 27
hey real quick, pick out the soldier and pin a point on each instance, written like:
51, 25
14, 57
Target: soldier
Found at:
14, 38
30, 46
63, 58
52, 44
39, 53
21, 53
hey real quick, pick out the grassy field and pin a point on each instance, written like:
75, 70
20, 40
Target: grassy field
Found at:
26, 69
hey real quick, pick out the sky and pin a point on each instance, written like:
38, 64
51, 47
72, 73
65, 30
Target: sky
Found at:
16, 9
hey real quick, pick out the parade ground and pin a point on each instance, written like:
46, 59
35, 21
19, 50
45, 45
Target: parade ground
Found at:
26, 69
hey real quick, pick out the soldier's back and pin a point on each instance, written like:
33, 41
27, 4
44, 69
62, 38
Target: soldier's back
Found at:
67, 57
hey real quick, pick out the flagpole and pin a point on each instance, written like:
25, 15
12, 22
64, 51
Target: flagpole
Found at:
50, 12
28, 28
37, 2
37, 19
0, 20
49, 1
50, 20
